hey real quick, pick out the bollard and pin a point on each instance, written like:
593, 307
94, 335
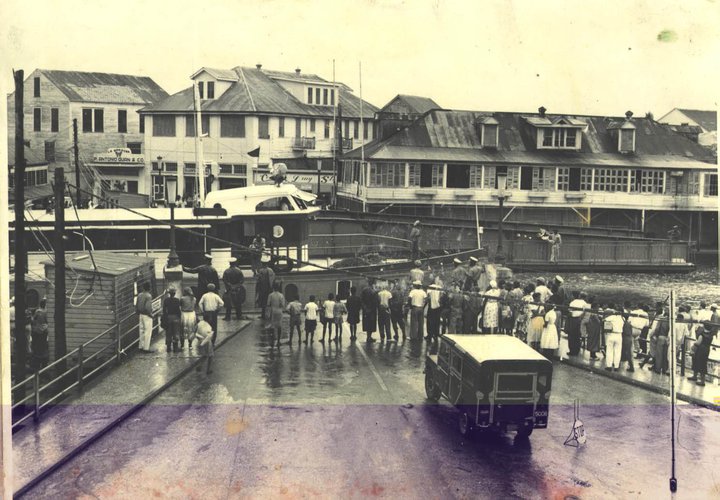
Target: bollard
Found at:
36, 389
81, 359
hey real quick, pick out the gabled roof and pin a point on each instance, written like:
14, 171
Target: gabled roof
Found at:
452, 135
293, 75
34, 157
255, 91
706, 119
219, 74
418, 104
80, 86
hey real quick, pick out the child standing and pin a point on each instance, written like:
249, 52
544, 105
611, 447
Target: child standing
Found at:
295, 309
338, 310
204, 334
311, 314
328, 307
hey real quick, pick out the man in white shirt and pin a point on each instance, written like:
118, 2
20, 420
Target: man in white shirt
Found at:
384, 296
311, 314
210, 303
613, 327
543, 290
577, 306
638, 320
433, 314
417, 298
417, 274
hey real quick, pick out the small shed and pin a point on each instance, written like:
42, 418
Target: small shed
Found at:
100, 293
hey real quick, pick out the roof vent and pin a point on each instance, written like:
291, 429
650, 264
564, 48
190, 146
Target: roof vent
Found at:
542, 110
258, 66
628, 114
685, 124
297, 71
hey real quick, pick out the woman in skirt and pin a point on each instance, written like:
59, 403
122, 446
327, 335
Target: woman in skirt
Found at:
188, 319
491, 309
536, 322
205, 346
549, 338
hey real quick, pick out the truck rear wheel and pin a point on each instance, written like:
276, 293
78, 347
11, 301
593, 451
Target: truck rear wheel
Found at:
432, 391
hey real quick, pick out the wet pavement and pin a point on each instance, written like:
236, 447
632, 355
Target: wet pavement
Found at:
352, 420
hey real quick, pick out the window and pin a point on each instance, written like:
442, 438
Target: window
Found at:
158, 183
627, 140
346, 124
490, 136
132, 187
543, 178
263, 128
201, 90
387, 174
163, 126
586, 179
281, 126
298, 127
37, 119
475, 176
50, 151
332, 97
611, 180
425, 175
135, 147
87, 120
227, 169
711, 185
312, 124
98, 124
211, 90
142, 124
652, 181
327, 128
560, 138
356, 130
569, 179
365, 130
325, 96
458, 176
317, 95
190, 125
54, 119
310, 95
36, 86
122, 120
232, 126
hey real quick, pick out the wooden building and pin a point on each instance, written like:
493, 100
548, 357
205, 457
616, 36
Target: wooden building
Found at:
101, 291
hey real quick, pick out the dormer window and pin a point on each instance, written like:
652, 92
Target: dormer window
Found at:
211, 90
489, 132
559, 133
560, 138
626, 140
201, 90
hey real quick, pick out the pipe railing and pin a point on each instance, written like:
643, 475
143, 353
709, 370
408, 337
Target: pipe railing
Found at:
39, 390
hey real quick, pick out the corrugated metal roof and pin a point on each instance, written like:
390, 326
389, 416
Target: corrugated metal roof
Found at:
32, 193
33, 156
418, 104
219, 74
108, 263
453, 136
706, 119
80, 86
292, 75
256, 92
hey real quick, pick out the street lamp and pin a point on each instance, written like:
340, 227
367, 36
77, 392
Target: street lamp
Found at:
171, 185
501, 196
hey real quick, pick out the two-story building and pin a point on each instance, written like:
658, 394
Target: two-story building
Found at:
252, 118
549, 169
702, 124
105, 107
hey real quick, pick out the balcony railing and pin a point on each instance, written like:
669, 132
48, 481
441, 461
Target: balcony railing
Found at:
303, 143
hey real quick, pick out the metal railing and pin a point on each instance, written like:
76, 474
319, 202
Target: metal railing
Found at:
601, 251
343, 144
42, 396
686, 352
301, 143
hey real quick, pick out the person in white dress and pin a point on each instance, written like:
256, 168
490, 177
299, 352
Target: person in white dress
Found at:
491, 310
549, 338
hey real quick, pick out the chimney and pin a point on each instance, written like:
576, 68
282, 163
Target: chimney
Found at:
628, 114
297, 71
542, 110
258, 66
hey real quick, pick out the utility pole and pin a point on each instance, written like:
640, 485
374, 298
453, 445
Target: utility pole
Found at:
59, 244
78, 199
21, 346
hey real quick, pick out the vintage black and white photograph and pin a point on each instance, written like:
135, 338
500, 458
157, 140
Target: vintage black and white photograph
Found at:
426, 249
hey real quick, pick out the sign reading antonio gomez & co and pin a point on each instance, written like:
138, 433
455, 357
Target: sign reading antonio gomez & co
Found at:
118, 155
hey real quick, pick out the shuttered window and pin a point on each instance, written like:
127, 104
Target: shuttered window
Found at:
37, 119
263, 128
387, 174
281, 127
54, 119
490, 136
475, 176
232, 126
190, 125
122, 121
211, 90
711, 185
98, 120
489, 179
163, 126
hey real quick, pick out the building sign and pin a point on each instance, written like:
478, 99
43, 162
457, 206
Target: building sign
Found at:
118, 155
296, 178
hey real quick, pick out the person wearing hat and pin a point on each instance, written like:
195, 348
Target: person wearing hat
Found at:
459, 273
543, 290
701, 352
415, 239
210, 304
171, 321
233, 280
434, 311
473, 273
257, 247
384, 296
206, 274
263, 286
416, 273
417, 299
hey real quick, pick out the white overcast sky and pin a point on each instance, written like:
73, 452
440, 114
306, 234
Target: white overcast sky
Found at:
581, 56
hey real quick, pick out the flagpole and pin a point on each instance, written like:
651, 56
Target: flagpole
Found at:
199, 162
335, 139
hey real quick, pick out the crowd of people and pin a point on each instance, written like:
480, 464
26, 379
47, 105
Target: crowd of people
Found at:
469, 298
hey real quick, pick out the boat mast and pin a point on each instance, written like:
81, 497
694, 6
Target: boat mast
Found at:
199, 163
